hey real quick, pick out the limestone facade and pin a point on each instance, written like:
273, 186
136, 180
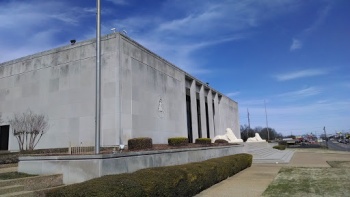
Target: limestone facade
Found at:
143, 95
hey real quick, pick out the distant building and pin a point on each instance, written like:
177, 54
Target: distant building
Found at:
143, 95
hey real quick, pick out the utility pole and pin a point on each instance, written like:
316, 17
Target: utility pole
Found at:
267, 124
98, 78
324, 129
248, 124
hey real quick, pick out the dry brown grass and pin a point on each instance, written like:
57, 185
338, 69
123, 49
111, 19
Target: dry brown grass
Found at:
297, 181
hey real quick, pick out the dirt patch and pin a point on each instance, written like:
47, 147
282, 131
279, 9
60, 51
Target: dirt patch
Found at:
296, 181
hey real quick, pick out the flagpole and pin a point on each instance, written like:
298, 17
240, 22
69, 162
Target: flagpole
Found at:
98, 78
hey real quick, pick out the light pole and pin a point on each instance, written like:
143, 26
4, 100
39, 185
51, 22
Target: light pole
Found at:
324, 129
248, 125
98, 78
267, 124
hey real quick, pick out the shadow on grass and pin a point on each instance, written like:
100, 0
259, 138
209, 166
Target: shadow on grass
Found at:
14, 175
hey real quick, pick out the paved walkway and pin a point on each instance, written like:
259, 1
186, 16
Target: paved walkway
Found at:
264, 153
253, 181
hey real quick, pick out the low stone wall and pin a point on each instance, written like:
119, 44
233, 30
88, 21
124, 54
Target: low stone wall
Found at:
79, 168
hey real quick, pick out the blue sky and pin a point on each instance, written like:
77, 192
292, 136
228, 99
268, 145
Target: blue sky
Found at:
294, 54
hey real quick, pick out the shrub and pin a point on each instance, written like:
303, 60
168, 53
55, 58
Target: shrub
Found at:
280, 147
180, 180
45, 151
203, 141
178, 141
221, 141
139, 143
9, 158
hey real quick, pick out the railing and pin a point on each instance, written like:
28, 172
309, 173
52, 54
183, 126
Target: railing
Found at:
80, 150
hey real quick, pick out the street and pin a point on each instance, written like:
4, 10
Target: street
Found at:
334, 145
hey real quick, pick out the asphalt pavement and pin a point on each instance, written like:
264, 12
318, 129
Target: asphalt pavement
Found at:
334, 145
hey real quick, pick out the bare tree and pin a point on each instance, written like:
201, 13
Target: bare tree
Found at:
18, 125
28, 128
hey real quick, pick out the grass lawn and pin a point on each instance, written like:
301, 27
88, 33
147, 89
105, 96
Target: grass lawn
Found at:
14, 175
298, 181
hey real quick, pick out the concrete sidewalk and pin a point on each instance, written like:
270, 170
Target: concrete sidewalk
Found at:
253, 181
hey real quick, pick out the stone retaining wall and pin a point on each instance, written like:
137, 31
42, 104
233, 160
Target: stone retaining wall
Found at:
79, 168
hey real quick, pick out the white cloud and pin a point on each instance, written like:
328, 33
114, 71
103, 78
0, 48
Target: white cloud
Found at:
322, 101
179, 52
321, 17
296, 44
232, 94
306, 92
213, 18
301, 74
28, 27
322, 14
199, 24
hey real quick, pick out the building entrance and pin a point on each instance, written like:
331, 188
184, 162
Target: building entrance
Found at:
4, 137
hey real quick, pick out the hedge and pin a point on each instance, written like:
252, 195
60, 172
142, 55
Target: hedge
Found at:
140, 143
221, 141
181, 180
12, 157
203, 141
283, 143
280, 147
178, 141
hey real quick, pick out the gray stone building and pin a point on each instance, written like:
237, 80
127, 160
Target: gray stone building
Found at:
143, 95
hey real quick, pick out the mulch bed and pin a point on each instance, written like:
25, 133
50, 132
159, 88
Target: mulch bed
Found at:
168, 147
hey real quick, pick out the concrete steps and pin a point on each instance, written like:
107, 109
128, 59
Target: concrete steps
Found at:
11, 189
30, 186
19, 194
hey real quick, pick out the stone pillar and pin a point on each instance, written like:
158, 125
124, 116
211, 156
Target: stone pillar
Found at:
211, 115
217, 126
203, 114
194, 110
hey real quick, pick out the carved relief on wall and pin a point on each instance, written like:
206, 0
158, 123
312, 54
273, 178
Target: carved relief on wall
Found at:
161, 107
